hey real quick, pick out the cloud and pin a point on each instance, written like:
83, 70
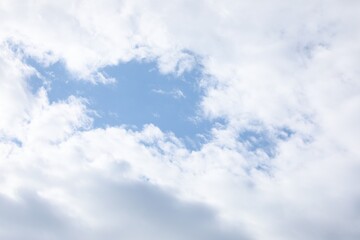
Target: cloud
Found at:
176, 93
130, 210
267, 68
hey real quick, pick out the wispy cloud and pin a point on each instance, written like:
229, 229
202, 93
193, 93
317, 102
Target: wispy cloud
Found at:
176, 93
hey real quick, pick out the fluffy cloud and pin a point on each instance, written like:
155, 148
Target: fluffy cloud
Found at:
283, 75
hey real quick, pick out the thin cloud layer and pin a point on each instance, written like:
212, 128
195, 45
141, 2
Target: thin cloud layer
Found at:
283, 165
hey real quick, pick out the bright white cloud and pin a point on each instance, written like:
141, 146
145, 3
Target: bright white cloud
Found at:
267, 66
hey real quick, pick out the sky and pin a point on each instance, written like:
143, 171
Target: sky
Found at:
179, 120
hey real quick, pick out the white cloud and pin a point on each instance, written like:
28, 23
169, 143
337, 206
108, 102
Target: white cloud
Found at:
267, 65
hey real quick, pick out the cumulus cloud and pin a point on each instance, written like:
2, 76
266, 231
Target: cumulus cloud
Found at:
283, 76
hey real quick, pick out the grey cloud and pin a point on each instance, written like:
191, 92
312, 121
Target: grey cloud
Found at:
30, 217
130, 211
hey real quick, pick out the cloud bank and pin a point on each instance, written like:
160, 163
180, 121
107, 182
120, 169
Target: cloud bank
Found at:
284, 164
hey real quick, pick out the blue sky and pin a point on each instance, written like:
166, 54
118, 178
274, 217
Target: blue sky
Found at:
140, 95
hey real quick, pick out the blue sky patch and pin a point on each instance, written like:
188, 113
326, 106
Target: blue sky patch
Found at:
140, 95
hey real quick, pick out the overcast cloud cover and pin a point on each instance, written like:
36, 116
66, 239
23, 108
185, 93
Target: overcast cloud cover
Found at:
282, 164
